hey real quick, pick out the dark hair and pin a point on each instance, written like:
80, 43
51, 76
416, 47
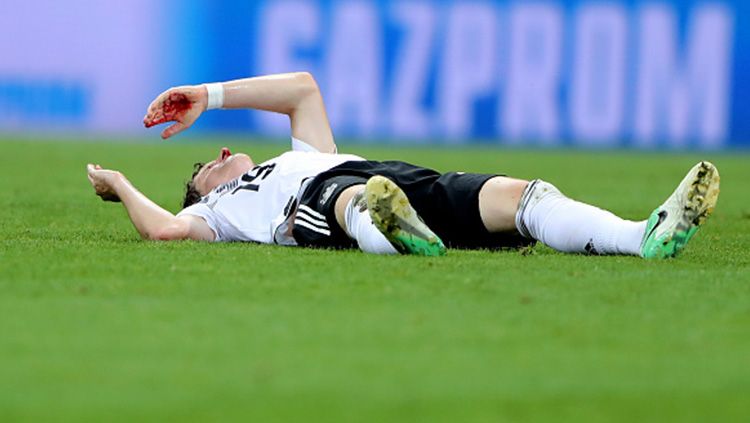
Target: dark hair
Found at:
192, 195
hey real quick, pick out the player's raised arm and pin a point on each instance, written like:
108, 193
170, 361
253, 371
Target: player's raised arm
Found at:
294, 94
151, 221
181, 105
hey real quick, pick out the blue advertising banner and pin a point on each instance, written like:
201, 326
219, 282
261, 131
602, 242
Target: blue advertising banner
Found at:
638, 74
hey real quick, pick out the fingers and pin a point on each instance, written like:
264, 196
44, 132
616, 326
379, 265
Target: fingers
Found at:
90, 168
166, 106
154, 117
151, 109
173, 129
157, 119
180, 105
154, 114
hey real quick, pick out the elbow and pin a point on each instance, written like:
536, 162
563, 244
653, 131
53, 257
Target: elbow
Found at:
307, 87
171, 232
306, 83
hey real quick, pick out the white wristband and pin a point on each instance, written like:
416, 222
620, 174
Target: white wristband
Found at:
215, 95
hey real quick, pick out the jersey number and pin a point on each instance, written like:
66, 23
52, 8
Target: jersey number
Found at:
246, 182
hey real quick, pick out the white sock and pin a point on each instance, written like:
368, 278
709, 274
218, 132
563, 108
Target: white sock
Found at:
360, 228
547, 215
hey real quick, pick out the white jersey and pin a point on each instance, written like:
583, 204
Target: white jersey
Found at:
251, 207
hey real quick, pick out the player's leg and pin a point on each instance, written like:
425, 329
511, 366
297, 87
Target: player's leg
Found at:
392, 213
538, 210
545, 214
381, 219
331, 214
498, 202
355, 220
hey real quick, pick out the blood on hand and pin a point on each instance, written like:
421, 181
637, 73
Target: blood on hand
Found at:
174, 107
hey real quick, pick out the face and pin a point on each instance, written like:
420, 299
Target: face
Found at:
226, 167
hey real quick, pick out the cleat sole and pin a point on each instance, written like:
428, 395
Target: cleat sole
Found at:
393, 215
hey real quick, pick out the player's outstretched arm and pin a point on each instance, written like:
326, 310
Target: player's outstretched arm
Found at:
294, 94
151, 221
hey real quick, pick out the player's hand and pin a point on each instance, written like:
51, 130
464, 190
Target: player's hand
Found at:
181, 105
104, 181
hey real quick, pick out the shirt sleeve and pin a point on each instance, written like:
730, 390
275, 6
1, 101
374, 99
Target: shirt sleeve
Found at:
203, 211
299, 145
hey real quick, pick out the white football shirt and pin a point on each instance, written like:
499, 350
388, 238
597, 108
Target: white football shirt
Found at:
251, 207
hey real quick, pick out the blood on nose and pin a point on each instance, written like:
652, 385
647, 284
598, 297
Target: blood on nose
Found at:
225, 153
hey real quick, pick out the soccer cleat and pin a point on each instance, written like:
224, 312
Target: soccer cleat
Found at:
398, 221
671, 225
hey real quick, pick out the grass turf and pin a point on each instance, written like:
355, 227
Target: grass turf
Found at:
98, 325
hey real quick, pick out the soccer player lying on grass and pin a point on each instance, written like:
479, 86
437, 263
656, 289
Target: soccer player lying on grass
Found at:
313, 197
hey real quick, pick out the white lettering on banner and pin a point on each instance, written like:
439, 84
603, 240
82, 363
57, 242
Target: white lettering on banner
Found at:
694, 98
657, 87
354, 69
285, 26
530, 102
408, 117
469, 65
597, 99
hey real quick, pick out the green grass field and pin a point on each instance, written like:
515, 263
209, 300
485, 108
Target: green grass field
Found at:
97, 325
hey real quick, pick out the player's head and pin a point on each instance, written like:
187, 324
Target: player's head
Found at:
208, 176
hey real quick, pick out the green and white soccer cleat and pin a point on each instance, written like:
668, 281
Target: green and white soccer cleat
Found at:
392, 214
671, 225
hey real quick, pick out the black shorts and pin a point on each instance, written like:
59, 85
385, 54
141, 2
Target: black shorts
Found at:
448, 203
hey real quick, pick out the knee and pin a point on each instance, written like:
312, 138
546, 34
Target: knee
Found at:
509, 190
498, 203
342, 201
